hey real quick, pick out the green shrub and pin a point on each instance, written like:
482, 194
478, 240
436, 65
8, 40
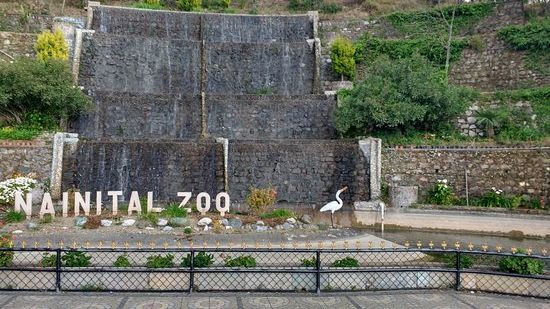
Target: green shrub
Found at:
48, 260
174, 211
201, 260
14, 216
188, 230
51, 45
278, 213
122, 261
330, 8
149, 5
259, 200
346, 262
304, 5
159, 261
496, 198
46, 219
43, 88
6, 257
342, 57
189, 5
400, 95
240, 261
466, 261
309, 262
441, 194
76, 259
521, 265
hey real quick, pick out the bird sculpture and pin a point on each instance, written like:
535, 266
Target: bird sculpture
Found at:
334, 205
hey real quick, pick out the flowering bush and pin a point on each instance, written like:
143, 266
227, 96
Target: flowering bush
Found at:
441, 193
10, 186
259, 200
495, 198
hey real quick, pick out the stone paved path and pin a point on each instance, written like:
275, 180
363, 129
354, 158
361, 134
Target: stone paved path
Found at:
393, 300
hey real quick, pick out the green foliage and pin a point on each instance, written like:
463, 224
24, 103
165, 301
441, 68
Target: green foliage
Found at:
495, 198
188, 230
14, 216
189, 5
17, 133
476, 42
490, 119
400, 95
259, 200
76, 259
309, 262
159, 261
6, 257
346, 262
304, 5
240, 261
201, 259
330, 8
149, 4
278, 213
521, 264
48, 260
533, 37
46, 219
122, 261
35, 94
217, 5
441, 193
466, 261
342, 56
370, 48
51, 46
174, 211
430, 22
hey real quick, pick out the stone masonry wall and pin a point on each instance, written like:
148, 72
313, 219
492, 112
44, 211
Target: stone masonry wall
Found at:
16, 45
164, 168
305, 171
26, 157
271, 117
514, 170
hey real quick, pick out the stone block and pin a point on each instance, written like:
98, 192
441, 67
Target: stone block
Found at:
403, 196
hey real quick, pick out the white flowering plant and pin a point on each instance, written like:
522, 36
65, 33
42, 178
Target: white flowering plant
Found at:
441, 193
10, 186
496, 198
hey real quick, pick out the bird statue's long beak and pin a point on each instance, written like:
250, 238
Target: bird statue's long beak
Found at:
344, 189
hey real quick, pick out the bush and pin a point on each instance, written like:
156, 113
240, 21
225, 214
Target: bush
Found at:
521, 265
76, 259
241, 261
466, 261
346, 262
495, 198
342, 57
309, 262
188, 230
278, 213
42, 87
259, 200
400, 95
159, 261
441, 194
201, 259
48, 260
9, 187
6, 257
14, 216
304, 5
51, 46
189, 5
174, 211
122, 261
331, 8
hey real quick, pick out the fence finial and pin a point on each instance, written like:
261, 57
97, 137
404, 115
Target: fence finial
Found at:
470, 246
444, 245
419, 244
484, 247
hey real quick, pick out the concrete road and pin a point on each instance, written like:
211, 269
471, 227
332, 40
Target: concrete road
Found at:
393, 299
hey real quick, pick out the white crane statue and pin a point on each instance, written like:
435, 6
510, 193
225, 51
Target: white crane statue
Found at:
334, 205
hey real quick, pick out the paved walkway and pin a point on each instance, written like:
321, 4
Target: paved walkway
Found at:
393, 299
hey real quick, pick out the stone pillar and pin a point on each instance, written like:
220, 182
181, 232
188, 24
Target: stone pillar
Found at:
314, 19
371, 148
317, 69
225, 142
90, 13
59, 141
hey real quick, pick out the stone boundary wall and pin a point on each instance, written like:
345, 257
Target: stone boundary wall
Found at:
516, 171
13, 45
26, 157
304, 171
271, 117
164, 168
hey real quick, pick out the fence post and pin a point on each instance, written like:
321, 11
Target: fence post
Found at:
457, 280
318, 268
192, 271
58, 270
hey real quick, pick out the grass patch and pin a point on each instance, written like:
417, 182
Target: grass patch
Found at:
14, 216
278, 213
46, 219
18, 133
174, 211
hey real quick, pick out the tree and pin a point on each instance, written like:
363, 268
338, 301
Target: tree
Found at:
490, 119
450, 24
400, 94
342, 57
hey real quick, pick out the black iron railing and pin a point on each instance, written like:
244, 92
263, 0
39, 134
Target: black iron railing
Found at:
264, 269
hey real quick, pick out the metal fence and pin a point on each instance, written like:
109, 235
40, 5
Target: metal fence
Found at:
271, 269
